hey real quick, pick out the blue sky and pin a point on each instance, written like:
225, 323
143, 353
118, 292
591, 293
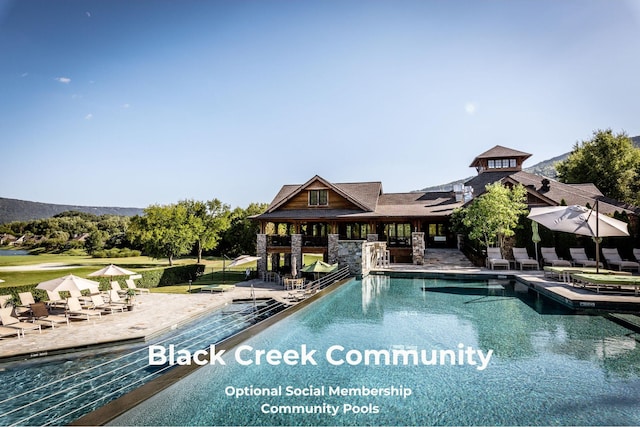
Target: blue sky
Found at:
131, 103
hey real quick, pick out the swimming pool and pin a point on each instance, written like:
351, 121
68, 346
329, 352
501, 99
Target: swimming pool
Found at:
59, 389
548, 367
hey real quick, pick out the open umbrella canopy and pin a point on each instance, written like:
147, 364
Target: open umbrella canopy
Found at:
319, 267
68, 283
578, 220
111, 271
243, 259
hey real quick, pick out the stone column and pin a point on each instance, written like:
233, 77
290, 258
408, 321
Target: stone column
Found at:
417, 244
296, 251
333, 249
261, 251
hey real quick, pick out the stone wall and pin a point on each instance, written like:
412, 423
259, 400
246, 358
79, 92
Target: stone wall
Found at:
417, 244
333, 248
261, 251
296, 251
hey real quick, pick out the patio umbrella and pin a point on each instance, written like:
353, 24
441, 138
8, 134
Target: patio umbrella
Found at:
68, 283
319, 267
111, 271
243, 259
580, 220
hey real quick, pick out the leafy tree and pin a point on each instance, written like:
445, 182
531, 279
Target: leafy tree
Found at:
493, 216
208, 220
240, 237
609, 161
163, 231
95, 241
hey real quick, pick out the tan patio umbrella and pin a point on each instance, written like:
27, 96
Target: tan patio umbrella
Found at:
580, 220
243, 259
110, 271
68, 283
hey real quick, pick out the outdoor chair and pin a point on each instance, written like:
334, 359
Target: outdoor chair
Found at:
580, 259
495, 259
40, 314
550, 257
76, 310
114, 298
8, 332
55, 300
3, 300
132, 285
523, 259
116, 286
99, 304
10, 321
612, 257
26, 299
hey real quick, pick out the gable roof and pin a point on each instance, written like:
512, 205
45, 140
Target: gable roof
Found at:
557, 192
362, 194
497, 152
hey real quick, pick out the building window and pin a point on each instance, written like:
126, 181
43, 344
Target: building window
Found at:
501, 163
318, 197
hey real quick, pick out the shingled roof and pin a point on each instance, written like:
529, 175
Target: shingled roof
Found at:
499, 152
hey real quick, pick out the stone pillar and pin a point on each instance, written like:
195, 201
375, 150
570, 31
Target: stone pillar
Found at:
417, 244
333, 249
372, 237
350, 254
296, 251
261, 251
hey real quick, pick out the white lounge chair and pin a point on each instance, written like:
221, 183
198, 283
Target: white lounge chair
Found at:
132, 285
55, 300
10, 321
523, 259
580, 259
495, 259
99, 304
9, 332
613, 259
76, 310
550, 257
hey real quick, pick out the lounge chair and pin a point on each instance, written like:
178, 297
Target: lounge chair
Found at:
3, 300
40, 314
550, 257
608, 281
523, 259
99, 304
55, 300
9, 332
114, 298
10, 321
26, 299
76, 310
132, 285
494, 259
116, 286
217, 288
612, 257
579, 258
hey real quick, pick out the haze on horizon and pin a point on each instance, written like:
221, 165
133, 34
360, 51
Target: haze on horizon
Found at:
120, 103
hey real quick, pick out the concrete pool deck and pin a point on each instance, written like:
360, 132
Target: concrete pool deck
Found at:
153, 314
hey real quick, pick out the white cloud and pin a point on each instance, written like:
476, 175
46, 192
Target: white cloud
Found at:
470, 108
88, 14
126, 105
88, 116
24, 74
65, 80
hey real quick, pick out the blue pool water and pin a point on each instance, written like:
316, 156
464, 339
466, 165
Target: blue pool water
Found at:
548, 367
59, 389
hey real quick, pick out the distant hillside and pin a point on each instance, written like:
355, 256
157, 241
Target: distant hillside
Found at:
21, 210
546, 168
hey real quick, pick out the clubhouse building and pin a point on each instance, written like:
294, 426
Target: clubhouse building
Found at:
360, 225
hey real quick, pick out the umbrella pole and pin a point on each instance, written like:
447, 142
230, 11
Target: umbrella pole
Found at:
597, 239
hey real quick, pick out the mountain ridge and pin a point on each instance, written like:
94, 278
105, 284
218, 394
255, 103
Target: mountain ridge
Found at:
24, 210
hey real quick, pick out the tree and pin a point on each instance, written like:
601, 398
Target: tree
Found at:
493, 216
208, 221
163, 231
240, 237
609, 161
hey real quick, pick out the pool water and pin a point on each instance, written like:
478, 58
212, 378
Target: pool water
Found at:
56, 390
548, 367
